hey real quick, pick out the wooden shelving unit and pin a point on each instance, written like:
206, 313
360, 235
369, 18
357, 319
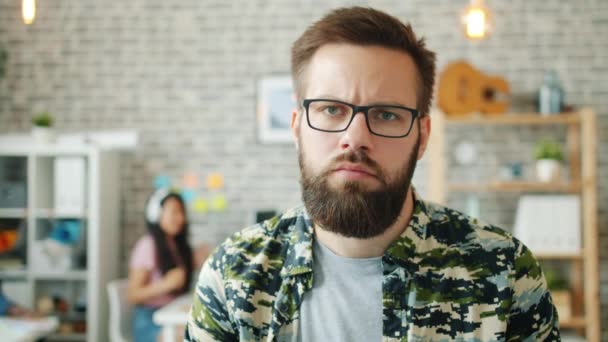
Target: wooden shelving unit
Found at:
564, 257
573, 323
581, 137
520, 119
517, 186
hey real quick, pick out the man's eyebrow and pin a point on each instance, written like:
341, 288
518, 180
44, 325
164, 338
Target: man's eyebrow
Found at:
387, 103
328, 97
374, 103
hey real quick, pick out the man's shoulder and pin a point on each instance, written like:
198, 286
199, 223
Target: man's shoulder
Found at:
467, 248
265, 238
453, 228
276, 228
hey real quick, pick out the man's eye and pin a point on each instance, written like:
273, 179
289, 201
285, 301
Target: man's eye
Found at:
332, 110
388, 116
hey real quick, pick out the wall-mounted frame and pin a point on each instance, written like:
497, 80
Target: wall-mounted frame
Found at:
275, 103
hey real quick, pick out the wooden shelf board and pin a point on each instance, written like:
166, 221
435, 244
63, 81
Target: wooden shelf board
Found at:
514, 119
559, 256
516, 186
572, 323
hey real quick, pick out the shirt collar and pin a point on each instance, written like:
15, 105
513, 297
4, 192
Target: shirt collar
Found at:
298, 259
404, 249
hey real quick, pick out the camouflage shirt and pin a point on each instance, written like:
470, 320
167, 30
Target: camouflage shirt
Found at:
447, 277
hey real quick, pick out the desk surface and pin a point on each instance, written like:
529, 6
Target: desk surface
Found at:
25, 330
175, 312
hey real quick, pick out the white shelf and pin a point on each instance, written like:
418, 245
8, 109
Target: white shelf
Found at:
13, 213
19, 145
19, 273
61, 275
100, 212
45, 213
67, 337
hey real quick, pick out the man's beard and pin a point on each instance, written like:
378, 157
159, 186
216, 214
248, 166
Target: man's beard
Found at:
352, 211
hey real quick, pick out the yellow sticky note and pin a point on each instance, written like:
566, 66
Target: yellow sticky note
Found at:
215, 181
200, 205
219, 203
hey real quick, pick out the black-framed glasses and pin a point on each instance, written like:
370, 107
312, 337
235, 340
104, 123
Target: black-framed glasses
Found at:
383, 120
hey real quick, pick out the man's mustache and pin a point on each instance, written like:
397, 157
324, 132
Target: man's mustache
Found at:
356, 157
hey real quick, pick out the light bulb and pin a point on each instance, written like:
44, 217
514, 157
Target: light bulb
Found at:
28, 10
476, 20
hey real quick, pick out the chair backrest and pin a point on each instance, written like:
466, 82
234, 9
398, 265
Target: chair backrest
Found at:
120, 311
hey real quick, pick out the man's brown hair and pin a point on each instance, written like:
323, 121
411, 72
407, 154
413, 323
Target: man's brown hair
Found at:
365, 26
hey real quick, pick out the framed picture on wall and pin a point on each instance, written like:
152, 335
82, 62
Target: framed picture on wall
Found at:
276, 101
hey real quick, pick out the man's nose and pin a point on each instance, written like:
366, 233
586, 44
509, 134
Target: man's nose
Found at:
357, 135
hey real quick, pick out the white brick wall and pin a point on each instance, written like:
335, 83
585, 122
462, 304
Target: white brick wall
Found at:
183, 73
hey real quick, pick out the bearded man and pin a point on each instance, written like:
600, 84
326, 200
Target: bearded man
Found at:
365, 258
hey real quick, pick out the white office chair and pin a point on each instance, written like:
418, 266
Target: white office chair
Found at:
120, 311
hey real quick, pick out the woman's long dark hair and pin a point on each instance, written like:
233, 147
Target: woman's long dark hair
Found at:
164, 258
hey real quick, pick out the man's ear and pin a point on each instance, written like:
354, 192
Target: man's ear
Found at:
295, 127
425, 134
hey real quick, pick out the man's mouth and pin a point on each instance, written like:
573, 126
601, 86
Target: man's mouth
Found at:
353, 171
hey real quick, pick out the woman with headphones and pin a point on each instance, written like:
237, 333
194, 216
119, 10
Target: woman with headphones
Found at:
162, 262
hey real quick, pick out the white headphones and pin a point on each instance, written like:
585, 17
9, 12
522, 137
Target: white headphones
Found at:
154, 206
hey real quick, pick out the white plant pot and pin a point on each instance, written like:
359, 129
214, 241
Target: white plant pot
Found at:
548, 170
44, 135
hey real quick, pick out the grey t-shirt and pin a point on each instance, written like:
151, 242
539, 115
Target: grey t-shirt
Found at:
345, 303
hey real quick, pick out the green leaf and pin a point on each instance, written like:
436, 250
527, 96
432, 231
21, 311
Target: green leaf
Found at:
548, 149
43, 119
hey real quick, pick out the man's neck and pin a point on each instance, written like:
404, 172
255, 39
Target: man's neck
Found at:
372, 247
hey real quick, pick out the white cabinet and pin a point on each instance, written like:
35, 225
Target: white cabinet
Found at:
60, 193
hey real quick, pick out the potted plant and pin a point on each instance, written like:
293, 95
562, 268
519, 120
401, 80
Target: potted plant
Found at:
548, 155
560, 293
43, 128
